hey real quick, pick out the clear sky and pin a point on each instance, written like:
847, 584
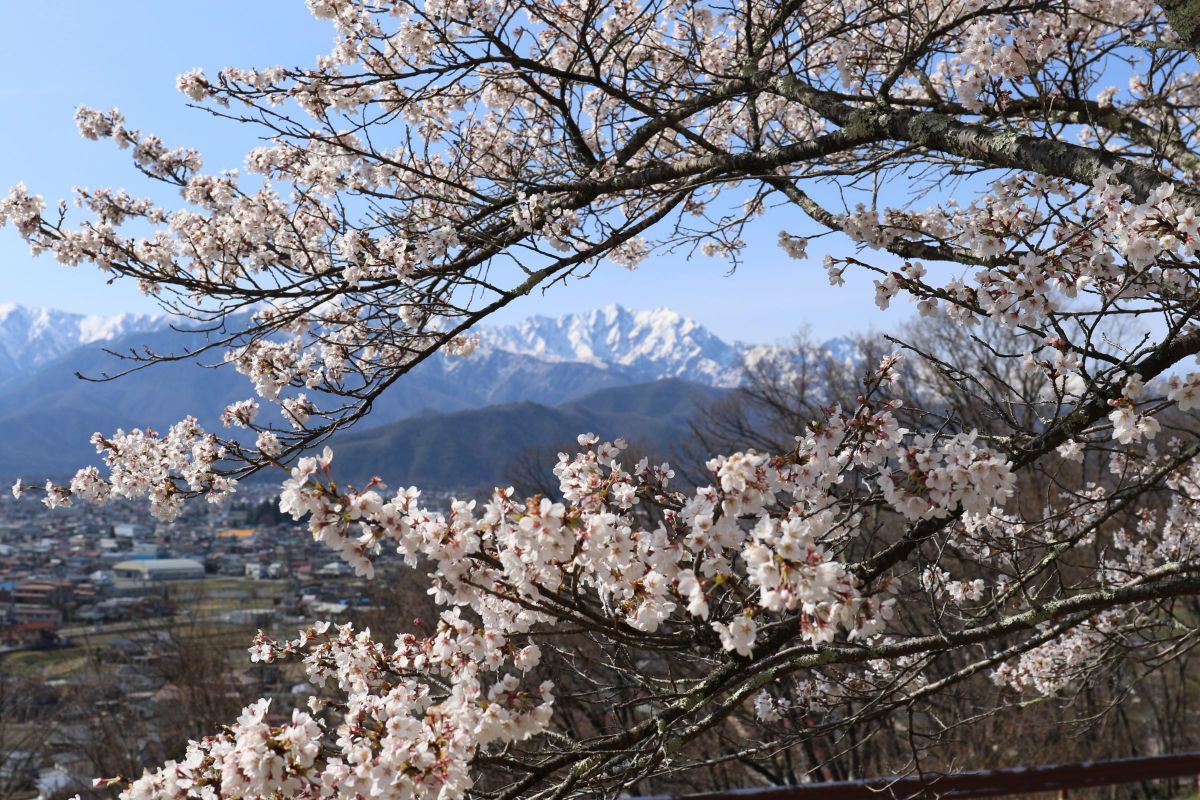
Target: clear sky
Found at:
126, 53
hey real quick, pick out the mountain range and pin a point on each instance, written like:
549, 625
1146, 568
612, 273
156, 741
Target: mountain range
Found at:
647, 344
30, 338
540, 376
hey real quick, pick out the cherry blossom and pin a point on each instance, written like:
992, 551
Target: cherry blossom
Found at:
1025, 175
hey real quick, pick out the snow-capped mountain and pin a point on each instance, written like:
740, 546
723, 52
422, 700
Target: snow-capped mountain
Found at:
50, 415
844, 349
32, 337
615, 344
646, 345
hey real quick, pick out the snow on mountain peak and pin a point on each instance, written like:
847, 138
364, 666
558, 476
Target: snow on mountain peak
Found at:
31, 337
94, 328
646, 343
635, 345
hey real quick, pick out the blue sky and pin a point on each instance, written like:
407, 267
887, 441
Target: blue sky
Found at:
126, 54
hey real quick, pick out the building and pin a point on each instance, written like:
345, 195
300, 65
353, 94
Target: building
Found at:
147, 552
130, 530
28, 612
236, 533
159, 569
49, 593
22, 624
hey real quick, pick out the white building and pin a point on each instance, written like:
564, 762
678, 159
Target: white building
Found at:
159, 569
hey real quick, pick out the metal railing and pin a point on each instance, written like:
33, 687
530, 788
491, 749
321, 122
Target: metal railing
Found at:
1059, 778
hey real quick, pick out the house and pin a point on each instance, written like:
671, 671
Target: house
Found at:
27, 612
50, 593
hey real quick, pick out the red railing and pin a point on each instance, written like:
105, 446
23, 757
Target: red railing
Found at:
985, 783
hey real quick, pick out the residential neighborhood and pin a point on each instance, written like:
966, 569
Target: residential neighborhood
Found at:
101, 603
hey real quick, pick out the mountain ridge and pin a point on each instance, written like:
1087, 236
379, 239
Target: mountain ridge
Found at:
50, 415
656, 342
476, 448
33, 337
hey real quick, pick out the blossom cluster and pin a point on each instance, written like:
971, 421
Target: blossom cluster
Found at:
506, 563
1058, 663
934, 479
711, 541
409, 736
143, 464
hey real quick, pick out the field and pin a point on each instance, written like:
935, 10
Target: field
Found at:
203, 606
